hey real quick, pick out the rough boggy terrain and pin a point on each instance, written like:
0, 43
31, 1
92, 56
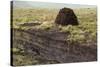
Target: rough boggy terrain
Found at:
52, 45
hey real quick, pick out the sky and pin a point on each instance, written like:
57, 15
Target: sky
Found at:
34, 4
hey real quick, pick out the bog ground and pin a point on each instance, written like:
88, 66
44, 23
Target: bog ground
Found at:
36, 39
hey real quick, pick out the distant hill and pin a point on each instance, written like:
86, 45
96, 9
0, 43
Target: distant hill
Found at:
32, 4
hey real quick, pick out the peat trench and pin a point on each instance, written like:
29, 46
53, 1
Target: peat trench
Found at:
53, 46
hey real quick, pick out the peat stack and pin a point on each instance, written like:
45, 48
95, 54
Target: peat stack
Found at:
66, 16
